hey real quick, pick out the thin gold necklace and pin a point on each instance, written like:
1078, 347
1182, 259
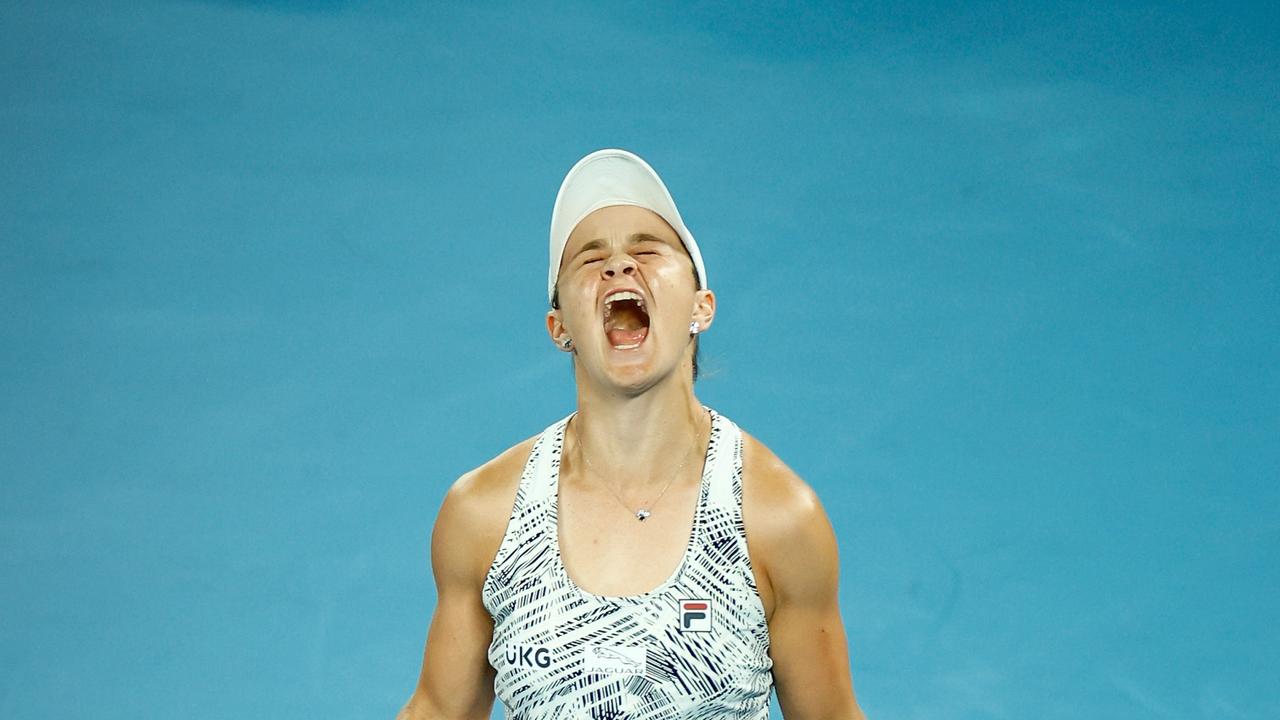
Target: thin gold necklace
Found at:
644, 511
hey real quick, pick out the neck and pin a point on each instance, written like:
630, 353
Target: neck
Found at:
638, 439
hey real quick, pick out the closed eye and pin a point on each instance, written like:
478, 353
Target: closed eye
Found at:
648, 248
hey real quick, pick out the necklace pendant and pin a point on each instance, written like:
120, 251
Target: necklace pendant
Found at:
642, 514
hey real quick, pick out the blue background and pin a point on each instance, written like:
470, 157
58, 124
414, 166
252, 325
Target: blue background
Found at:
1002, 282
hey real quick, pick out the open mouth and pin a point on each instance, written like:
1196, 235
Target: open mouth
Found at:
626, 320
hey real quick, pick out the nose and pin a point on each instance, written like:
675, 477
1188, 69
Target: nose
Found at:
619, 262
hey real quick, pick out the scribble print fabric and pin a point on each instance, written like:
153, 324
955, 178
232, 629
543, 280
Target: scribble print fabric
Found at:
696, 647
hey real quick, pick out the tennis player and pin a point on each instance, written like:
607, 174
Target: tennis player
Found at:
643, 557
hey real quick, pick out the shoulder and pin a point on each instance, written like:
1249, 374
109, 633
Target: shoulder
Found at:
789, 536
474, 514
782, 501
477, 490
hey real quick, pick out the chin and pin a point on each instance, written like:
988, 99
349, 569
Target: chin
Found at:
630, 381
634, 378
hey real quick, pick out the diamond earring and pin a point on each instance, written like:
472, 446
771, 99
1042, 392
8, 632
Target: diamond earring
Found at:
567, 343
693, 328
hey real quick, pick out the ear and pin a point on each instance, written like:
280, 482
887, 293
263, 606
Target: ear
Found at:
557, 330
704, 309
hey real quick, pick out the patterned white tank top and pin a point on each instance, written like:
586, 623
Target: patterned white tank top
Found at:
695, 648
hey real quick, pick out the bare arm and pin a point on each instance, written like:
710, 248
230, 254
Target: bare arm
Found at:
456, 682
790, 534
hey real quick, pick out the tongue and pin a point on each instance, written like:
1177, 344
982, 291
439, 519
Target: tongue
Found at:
618, 338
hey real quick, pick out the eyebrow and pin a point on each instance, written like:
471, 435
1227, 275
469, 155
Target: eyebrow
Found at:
633, 239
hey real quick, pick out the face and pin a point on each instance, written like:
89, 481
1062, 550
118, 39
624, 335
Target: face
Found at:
627, 295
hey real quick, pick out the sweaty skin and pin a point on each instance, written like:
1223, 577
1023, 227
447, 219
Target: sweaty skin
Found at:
636, 405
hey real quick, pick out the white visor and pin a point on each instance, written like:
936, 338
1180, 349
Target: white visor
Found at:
612, 177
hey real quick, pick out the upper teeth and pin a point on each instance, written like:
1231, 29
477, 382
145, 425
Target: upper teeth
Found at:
624, 295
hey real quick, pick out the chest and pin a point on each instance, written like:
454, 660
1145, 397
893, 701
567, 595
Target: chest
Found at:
606, 550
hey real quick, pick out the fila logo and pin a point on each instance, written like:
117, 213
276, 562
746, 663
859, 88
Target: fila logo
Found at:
528, 656
695, 615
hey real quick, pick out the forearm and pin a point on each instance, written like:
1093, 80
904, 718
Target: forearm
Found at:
833, 706
853, 712
420, 707
837, 710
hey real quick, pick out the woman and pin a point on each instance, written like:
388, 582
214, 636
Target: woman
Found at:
643, 557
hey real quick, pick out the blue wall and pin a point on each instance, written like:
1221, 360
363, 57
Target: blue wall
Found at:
1000, 282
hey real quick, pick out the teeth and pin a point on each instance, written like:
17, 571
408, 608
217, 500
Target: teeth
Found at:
624, 295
